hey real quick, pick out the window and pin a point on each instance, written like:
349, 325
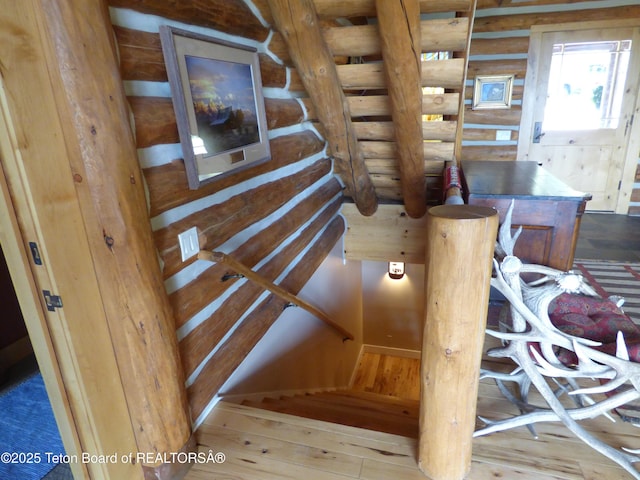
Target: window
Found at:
586, 85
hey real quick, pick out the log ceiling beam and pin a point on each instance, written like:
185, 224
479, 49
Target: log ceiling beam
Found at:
298, 23
399, 24
367, 8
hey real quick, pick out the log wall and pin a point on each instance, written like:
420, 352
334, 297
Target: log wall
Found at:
499, 45
280, 218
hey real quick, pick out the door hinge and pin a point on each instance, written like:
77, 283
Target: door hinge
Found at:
35, 253
52, 301
619, 184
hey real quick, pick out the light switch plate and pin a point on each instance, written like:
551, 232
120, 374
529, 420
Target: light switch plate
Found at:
503, 135
189, 244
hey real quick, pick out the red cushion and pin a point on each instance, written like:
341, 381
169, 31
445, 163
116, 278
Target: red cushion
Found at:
595, 319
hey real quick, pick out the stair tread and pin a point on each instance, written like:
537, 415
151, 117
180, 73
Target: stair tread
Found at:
345, 410
371, 403
378, 397
273, 416
360, 409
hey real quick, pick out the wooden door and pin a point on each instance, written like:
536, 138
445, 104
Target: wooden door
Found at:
578, 109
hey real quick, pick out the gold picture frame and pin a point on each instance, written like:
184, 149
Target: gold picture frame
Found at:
492, 91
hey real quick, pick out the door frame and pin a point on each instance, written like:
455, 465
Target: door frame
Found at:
32, 310
531, 78
39, 203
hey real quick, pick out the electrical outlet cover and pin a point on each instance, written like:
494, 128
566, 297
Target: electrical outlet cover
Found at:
189, 244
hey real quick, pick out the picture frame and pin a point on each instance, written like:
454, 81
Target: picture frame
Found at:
217, 97
492, 91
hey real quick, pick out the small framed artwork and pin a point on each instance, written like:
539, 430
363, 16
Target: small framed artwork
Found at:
217, 97
492, 91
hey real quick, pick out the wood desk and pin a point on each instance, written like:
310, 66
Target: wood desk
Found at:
548, 210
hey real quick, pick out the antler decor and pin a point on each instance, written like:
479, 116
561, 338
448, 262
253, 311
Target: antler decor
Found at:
533, 342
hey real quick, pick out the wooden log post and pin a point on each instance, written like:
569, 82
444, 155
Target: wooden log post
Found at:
109, 185
459, 252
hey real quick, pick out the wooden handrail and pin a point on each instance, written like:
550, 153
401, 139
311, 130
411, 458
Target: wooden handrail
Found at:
219, 257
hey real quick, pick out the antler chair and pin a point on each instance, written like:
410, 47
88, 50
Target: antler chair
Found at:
561, 330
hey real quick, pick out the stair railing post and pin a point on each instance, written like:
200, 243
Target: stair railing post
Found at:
459, 252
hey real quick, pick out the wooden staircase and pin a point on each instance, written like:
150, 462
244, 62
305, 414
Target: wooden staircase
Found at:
372, 411
366, 434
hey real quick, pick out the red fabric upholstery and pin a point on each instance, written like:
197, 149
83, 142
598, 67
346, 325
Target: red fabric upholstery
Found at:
596, 319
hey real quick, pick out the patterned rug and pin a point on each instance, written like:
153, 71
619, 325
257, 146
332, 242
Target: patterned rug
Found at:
613, 278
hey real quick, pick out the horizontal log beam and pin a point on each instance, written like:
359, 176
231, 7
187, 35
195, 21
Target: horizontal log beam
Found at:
224, 362
397, 236
155, 118
441, 130
218, 223
204, 289
367, 8
436, 73
386, 166
155, 121
273, 74
442, 151
499, 46
500, 153
201, 341
438, 35
486, 134
507, 116
526, 21
379, 105
141, 58
168, 188
497, 67
482, 4
140, 55
229, 16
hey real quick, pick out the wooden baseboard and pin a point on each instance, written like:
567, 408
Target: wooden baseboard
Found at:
395, 352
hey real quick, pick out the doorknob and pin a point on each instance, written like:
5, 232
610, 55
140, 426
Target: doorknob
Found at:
537, 132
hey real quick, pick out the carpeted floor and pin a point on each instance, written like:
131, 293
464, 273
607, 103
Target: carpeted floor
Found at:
614, 278
27, 453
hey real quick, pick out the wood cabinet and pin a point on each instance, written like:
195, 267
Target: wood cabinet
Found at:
548, 210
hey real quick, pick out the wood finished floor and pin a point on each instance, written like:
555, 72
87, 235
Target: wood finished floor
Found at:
609, 237
259, 444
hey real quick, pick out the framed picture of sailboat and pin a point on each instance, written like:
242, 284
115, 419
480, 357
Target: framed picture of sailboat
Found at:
216, 91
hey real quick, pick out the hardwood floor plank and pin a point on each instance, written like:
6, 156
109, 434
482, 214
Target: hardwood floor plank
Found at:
367, 371
226, 440
247, 466
313, 433
598, 472
373, 470
269, 445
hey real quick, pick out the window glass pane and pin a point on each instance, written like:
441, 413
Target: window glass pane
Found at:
586, 84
